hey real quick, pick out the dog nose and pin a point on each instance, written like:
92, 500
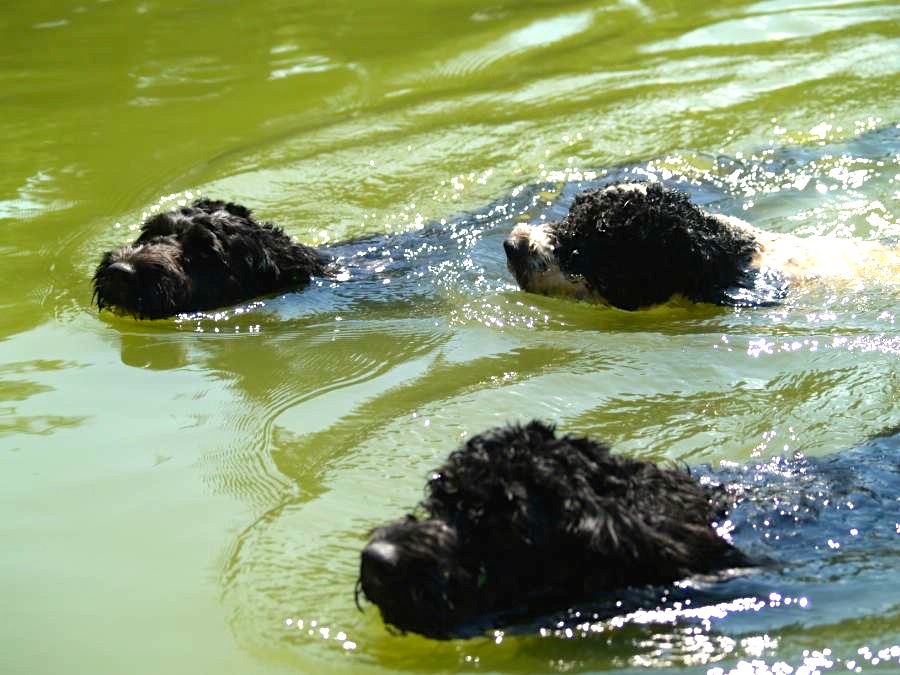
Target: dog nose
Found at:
382, 554
516, 248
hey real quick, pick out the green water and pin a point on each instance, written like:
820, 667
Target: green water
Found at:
177, 496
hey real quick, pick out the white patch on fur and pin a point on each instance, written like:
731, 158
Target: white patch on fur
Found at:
543, 274
810, 258
541, 243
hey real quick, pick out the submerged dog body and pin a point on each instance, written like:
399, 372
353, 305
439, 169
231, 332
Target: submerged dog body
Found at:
633, 245
519, 521
207, 255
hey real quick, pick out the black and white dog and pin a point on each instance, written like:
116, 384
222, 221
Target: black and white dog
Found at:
634, 245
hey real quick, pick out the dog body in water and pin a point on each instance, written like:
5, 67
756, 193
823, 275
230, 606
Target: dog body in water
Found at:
519, 521
204, 256
634, 245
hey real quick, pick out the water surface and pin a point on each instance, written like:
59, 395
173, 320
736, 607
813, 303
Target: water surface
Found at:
191, 495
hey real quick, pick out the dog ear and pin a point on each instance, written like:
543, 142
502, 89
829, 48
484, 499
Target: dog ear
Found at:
202, 242
160, 225
756, 287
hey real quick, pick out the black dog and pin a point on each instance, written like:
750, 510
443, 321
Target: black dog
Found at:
208, 255
519, 522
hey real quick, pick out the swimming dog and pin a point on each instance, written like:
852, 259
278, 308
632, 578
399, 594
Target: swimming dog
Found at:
633, 245
520, 521
207, 255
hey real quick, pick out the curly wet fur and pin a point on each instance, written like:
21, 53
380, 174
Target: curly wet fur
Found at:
519, 521
207, 255
637, 249
636, 245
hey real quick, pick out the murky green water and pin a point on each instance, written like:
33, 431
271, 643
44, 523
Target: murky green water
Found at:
180, 496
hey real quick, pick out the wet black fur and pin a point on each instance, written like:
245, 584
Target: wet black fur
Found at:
519, 522
637, 250
204, 256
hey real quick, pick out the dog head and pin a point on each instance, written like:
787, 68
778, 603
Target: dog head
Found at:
166, 269
532, 259
518, 521
633, 245
207, 255
475, 551
411, 569
145, 280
